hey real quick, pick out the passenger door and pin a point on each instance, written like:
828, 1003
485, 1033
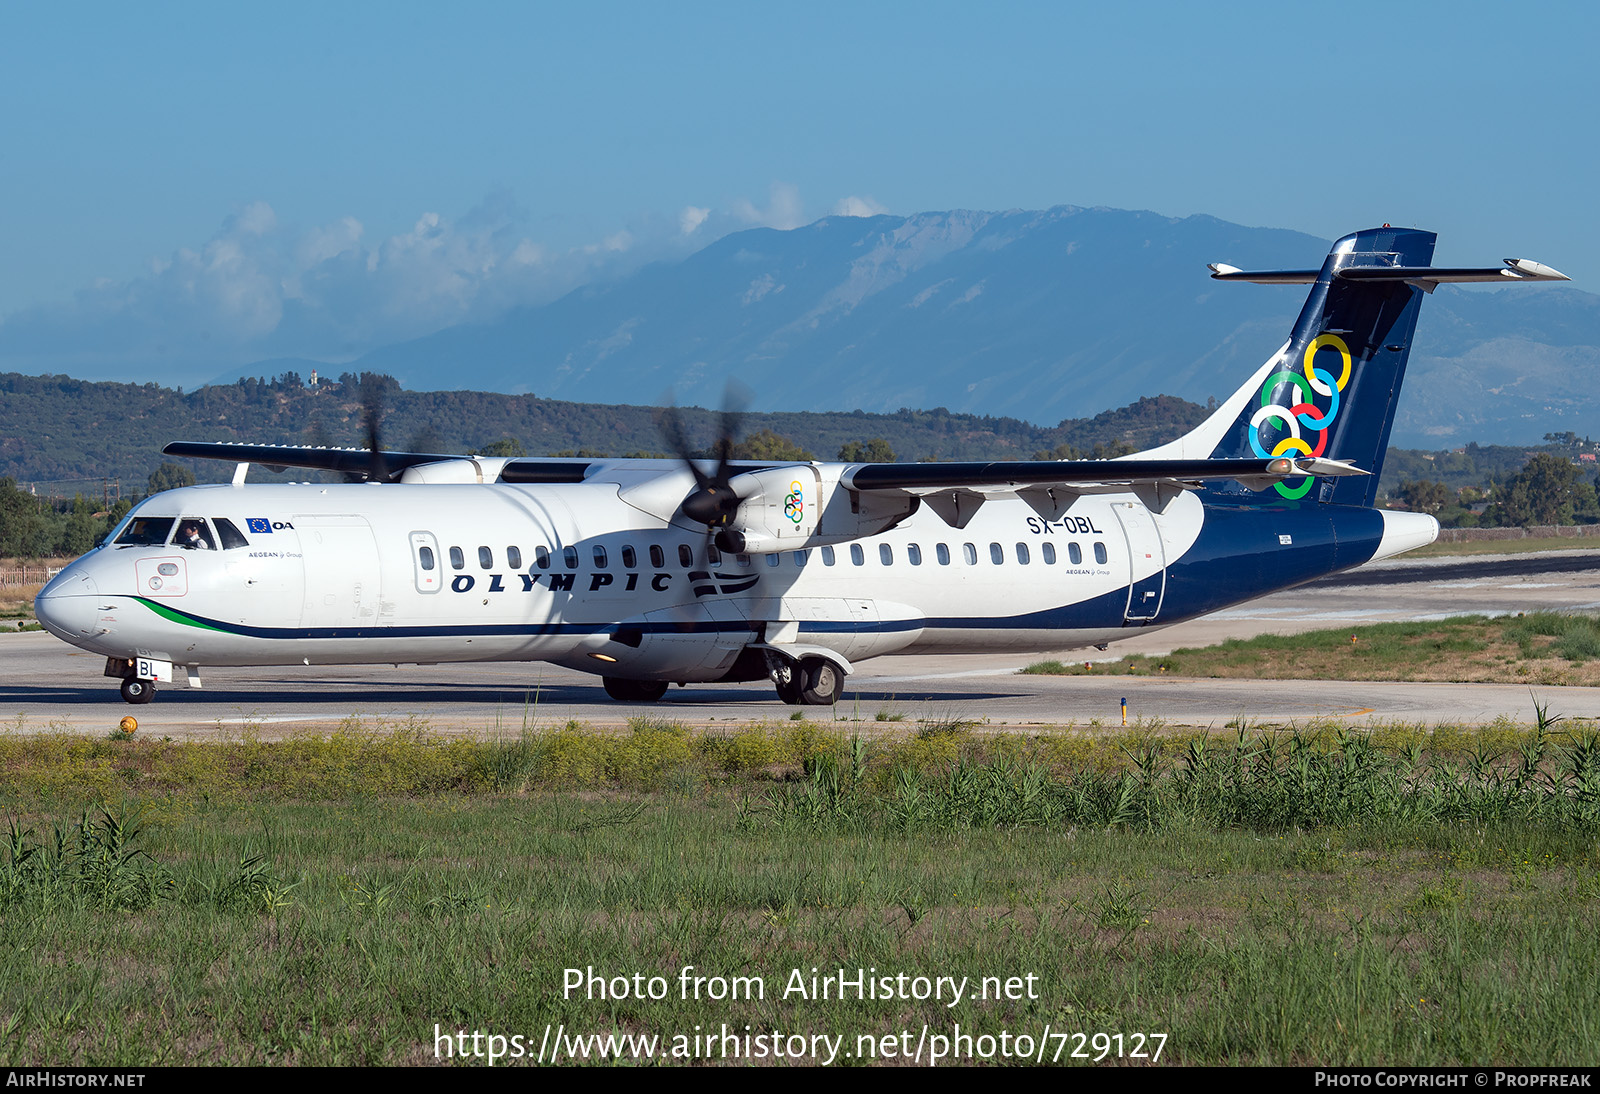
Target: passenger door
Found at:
1145, 553
342, 572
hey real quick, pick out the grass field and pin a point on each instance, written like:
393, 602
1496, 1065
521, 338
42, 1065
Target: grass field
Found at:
1536, 648
1506, 546
1316, 895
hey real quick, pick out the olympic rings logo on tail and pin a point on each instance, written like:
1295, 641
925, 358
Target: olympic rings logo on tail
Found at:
1304, 412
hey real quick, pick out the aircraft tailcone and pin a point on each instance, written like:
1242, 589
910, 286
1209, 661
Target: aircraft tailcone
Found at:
1405, 532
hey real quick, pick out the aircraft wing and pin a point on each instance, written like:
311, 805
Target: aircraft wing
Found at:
956, 490
347, 461
1082, 476
389, 467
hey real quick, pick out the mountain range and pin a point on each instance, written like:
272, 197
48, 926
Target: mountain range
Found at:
1041, 315
1038, 315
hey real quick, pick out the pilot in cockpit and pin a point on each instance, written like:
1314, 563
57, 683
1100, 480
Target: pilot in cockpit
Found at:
193, 535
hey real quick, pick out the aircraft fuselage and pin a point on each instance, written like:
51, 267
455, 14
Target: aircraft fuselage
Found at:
342, 574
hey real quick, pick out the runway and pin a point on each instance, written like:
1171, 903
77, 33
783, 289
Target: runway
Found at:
50, 685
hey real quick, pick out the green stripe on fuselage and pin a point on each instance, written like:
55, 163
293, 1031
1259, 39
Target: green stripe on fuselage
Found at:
175, 616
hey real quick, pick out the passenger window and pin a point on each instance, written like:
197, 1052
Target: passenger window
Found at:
194, 535
146, 532
943, 553
997, 554
1022, 554
485, 558
970, 553
658, 557
1049, 552
743, 560
514, 557
685, 555
1100, 553
228, 535
569, 555
914, 555
827, 556
713, 556
773, 560
1074, 554
458, 561
630, 558
802, 557
541, 557
425, 555
599, 557
857, 556
886, 554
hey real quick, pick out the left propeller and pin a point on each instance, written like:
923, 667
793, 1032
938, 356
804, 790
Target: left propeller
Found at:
713, 502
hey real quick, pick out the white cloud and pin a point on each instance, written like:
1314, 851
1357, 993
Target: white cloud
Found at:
854, 206
322, 243
255, 219
783, 208
261, 288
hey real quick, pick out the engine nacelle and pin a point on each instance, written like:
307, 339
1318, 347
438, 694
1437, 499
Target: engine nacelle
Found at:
803, 505
468, 469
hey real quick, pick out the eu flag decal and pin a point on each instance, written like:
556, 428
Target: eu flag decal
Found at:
259, 524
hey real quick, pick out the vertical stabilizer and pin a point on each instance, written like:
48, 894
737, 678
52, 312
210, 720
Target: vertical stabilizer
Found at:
1333, 388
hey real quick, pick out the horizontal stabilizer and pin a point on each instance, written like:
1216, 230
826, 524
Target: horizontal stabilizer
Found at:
1427, 277
1222, 272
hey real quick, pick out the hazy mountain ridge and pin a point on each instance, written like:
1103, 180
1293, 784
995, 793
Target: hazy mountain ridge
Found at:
1040, 315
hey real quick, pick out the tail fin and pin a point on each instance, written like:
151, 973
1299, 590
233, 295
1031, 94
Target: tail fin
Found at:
1332, 389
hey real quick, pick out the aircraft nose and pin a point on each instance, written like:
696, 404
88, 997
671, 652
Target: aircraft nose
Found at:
68, 606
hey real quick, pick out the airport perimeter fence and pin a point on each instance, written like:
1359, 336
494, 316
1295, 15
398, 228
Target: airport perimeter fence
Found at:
27, 575
1537, 531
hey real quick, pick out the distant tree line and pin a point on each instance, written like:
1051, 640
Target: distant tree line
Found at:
58, 429
1547, 489
35, 527
55, 428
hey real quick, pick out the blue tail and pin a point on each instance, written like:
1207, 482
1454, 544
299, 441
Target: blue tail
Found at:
1333, 390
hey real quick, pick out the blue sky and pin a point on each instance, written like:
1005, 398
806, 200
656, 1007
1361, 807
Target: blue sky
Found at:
188, 179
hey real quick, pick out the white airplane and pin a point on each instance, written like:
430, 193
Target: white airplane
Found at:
649, 572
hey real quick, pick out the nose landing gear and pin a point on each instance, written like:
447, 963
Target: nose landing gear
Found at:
135, 690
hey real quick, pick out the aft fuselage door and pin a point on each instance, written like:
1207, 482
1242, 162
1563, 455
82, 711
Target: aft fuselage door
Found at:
425, 562
1146, 559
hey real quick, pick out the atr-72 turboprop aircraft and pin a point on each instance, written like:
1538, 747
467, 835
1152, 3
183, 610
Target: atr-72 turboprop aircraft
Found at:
648, 572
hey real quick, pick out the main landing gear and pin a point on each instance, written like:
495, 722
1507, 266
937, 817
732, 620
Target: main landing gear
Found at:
634, 691
811, 682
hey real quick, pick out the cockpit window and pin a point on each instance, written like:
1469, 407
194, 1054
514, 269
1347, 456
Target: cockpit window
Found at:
228, 534
194, 534
146, 532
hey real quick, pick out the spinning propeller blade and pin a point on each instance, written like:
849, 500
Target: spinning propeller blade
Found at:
713, 501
